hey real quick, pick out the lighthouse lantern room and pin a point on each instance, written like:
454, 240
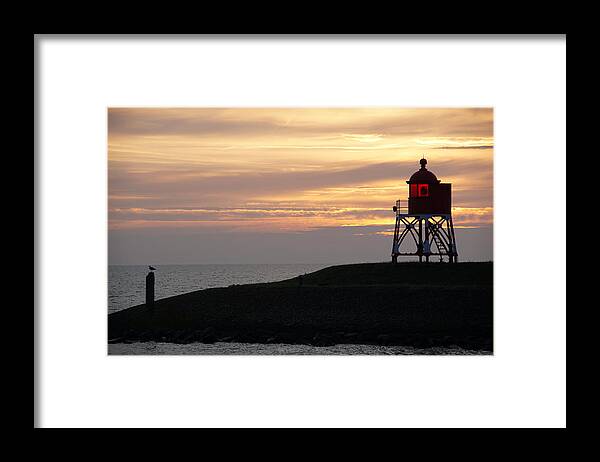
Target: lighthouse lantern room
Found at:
426, 218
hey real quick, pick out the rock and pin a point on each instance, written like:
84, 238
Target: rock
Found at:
207, 331
322, 340
383, 339
209, 338
364, 336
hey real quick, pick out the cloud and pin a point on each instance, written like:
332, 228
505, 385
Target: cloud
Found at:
465, 147
290, 170
192, 183
289, 122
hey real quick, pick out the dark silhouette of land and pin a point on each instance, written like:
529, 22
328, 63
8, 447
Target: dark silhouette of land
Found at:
412, 304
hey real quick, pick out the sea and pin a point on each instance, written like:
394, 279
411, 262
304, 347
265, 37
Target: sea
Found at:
127, 284
126, 288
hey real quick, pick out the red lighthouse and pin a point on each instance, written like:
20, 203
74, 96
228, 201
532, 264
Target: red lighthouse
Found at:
427, 218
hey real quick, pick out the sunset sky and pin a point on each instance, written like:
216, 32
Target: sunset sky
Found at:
287, 185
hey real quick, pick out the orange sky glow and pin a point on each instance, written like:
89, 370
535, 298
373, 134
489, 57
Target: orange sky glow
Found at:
291, 170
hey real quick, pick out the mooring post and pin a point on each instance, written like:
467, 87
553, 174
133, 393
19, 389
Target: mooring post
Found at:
150, 290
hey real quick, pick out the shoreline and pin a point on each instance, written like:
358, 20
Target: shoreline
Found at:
279, 349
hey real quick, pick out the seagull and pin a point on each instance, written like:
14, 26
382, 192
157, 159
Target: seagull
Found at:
152, 268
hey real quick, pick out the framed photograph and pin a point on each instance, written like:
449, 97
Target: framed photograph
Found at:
300, 231
280, 231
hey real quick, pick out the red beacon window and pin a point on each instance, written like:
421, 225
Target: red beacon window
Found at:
419, 190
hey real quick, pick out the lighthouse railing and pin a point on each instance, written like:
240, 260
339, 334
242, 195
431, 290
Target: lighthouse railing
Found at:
401, 207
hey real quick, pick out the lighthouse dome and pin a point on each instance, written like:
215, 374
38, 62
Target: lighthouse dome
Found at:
423, 175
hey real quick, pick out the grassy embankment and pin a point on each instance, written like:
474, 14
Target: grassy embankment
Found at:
371, 303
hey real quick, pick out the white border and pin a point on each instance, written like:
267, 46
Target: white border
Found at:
523, 384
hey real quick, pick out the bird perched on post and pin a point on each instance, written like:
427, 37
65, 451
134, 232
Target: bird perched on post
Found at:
152, 268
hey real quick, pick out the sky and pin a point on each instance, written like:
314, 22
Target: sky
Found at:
271, 185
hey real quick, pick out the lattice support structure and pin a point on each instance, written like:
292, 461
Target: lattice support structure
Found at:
433, 236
